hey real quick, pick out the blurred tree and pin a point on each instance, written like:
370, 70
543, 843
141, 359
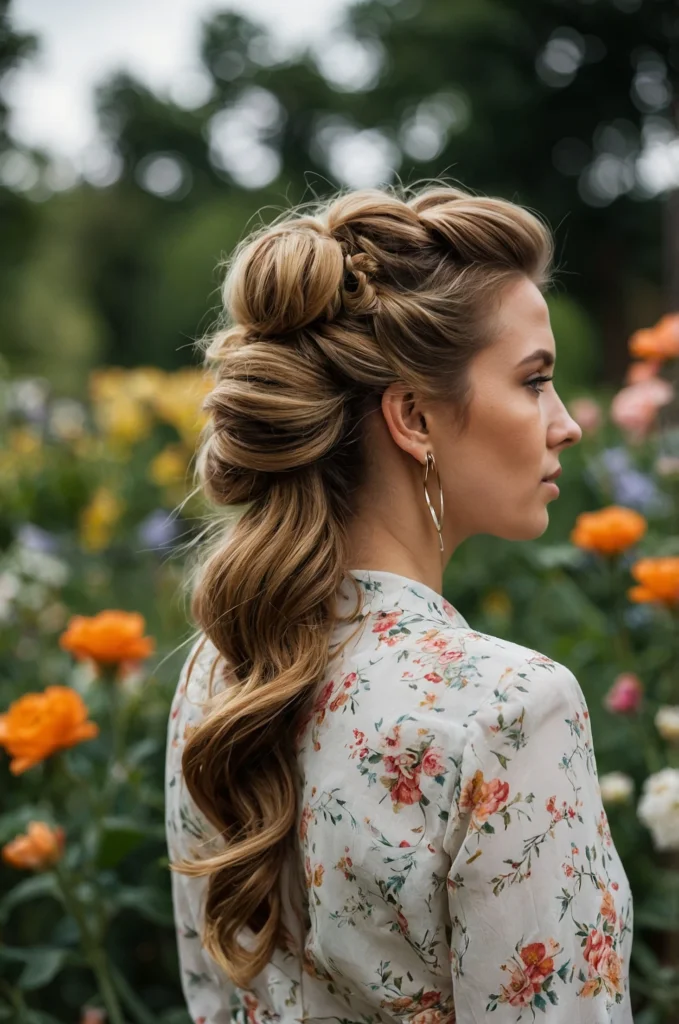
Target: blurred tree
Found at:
563, 105
18, 216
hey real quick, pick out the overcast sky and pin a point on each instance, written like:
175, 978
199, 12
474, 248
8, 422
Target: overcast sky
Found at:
83, 40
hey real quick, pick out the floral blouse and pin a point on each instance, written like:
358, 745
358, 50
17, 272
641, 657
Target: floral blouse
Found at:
452, 855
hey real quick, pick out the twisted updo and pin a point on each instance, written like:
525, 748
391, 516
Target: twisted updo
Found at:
324, 310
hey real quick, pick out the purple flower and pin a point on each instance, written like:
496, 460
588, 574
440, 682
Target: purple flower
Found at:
34, 537
637, 490
158, 530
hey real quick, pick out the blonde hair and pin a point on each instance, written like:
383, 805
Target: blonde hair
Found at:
326, 308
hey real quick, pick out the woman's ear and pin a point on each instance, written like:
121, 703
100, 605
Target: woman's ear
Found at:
406, 421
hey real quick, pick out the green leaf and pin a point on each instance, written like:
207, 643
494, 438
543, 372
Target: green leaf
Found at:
659, 908
149, 903
41, 964
14, 822
35, 887
138, 752
40, 1017
176, 1016
119, 837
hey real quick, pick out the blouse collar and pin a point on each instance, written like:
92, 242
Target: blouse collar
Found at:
384, 590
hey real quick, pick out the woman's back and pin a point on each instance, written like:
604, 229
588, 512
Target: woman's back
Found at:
452, 855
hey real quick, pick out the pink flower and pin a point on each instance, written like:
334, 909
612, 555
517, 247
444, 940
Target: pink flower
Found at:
642, 369
595, 947
433, 677
407, 790
432, 762
385, 620
587, 414
324, 697
449, 656
624, 696
634, 408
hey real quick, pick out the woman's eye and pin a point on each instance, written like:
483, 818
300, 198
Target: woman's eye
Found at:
538, 380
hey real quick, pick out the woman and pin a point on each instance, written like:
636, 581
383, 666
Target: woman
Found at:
375, 812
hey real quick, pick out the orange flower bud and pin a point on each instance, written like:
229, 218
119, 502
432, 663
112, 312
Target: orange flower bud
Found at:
659, 342
109, 638
37, 850
39, 724
92, 1015
658, 580
608, 531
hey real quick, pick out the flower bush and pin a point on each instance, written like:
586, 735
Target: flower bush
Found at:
92, 619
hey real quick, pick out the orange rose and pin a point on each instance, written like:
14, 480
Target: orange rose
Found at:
609, 531
39, 849
659, 342
485, 798
40, 724
658, 579
109, 638
607, 908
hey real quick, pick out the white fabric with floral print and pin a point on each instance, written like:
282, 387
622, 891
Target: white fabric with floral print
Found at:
453, 854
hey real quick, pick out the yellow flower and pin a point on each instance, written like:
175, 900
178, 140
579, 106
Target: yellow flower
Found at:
123, 420
98, 519
145, 382
24, 441
497, 602
180, 400
169, 466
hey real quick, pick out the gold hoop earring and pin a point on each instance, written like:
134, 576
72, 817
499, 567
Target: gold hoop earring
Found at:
437, 519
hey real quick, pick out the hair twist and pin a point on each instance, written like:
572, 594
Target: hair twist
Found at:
359, 295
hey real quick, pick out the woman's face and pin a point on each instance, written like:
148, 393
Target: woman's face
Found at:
491, 475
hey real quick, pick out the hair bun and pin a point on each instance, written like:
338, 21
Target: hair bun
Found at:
288, 276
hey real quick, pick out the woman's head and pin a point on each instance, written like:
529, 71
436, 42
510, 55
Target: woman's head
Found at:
359, 336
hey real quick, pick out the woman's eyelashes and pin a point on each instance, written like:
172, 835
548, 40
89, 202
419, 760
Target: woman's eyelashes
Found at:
537, 380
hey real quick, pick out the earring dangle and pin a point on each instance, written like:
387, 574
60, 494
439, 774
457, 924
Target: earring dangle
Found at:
437, 519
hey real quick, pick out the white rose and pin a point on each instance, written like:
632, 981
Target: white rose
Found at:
667, 722
658, 808
616, 787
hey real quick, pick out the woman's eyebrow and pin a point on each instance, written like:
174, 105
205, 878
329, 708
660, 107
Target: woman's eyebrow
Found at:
540, 353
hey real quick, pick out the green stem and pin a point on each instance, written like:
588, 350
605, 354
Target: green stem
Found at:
130, 999
621, 634
92, 948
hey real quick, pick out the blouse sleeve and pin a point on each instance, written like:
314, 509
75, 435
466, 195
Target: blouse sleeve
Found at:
207, 990
536, 896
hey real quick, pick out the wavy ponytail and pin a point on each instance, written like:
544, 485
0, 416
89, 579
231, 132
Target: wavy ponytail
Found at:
325, 310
